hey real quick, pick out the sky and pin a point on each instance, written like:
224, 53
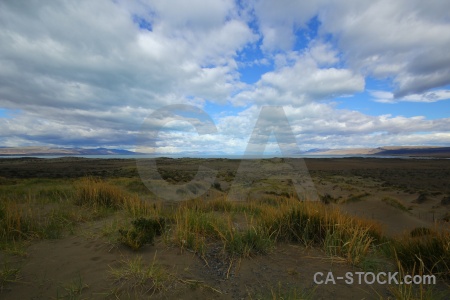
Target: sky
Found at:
106, 73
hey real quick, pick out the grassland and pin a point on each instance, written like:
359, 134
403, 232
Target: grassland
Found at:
138, 244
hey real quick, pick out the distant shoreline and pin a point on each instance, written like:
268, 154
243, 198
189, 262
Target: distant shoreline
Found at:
409, 152
144, 156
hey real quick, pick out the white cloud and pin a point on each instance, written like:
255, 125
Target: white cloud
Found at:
323, 53
197, 14
406, 40
278, 21
320, 125
427, 97
89, 66
86, 73
299, 79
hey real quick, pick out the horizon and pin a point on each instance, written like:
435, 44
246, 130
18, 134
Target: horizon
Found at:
340, 79
387, 152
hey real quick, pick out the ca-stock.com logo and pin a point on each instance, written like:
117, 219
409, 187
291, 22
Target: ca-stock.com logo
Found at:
272, 120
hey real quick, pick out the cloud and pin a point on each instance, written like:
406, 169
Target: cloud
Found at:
87, 74
300, 79
90, 66
405, 40
279, 20
427, 97
320, 125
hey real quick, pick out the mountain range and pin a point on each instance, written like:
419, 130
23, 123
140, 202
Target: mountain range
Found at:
428, 151
29, 151
431, 151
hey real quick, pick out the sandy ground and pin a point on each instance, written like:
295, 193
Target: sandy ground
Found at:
54, 268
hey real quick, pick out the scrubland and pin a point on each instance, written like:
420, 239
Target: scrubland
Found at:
105, 235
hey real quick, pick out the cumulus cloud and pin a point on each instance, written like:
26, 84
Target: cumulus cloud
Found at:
278, 21
88, 73
426, 97
92, 64
406, 40
319, 125
299, 79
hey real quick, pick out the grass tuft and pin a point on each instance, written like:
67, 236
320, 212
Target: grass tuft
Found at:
143, 232
431, 251
394, 203
96, 193
8, 274
136, 276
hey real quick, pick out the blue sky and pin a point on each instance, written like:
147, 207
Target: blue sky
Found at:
347, 74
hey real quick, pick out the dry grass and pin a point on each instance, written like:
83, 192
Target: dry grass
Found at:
394, 203
267, 222
8, 274
135, 277
98, 194
430, 251
314, 224
243, 228
410, 291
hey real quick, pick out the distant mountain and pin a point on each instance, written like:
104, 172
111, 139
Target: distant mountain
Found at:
423, 151
30, 151
431, 151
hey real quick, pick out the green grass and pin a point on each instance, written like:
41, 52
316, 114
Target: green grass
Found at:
314, 224
8, 275
72, 290
96, 193
354, 198
247, 242
143, 232
135, 276
431, 251
415, 291
394, 203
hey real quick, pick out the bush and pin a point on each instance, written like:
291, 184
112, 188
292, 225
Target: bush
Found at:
445, 201
143, 232
432, 251
327, 198
217, 186
446, 217
422, 198
420, 231
248, 242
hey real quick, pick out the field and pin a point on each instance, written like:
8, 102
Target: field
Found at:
77, 228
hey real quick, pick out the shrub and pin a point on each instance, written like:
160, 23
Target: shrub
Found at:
327, 198
311, 223
446, 217
420, 231
422, 198
445, 200
217, 186
432, 251
248, 242
143, 232
394, 203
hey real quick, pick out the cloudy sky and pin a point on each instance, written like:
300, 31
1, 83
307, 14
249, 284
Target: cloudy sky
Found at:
347, 73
